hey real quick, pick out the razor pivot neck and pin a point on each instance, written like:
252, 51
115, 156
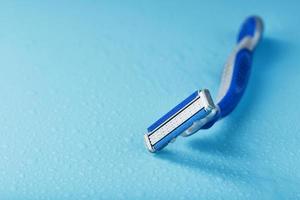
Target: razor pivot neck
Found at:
198, 111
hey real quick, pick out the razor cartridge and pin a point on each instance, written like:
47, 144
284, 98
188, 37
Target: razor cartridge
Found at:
184, 119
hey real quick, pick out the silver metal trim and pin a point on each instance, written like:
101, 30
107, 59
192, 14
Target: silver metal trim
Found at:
148, 144
206, 99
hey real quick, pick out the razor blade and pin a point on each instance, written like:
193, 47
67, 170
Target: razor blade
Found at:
184, 119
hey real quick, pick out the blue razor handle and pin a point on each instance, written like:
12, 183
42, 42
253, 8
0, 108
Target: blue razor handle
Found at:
237, 69
198, 111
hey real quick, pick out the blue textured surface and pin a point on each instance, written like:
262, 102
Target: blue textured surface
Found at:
81, 81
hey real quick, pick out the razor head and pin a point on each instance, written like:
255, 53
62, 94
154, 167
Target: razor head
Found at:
184, 119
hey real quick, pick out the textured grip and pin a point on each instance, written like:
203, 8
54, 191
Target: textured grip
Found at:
241, 72
237, 69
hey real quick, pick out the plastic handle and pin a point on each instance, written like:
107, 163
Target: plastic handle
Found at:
238, 68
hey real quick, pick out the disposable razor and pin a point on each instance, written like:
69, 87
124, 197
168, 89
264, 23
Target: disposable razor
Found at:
198, 111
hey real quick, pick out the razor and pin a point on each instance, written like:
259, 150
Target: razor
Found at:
198, 111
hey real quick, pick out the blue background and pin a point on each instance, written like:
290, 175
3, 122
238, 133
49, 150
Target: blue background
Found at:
80, 81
